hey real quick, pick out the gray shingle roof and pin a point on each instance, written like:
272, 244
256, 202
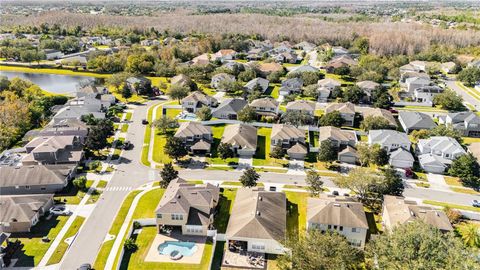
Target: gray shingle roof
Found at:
233, 106
34, 175
282, 131
416, 120
242, 135
22, 208
336, 211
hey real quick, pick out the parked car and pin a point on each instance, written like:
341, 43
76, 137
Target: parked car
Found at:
60, 210
127, 145
335, 193
85, 266
476, 203
144, 122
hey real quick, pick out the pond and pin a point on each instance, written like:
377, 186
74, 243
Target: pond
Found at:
58, 84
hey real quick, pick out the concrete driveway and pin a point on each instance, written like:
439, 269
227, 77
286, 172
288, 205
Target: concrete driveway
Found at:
437, 182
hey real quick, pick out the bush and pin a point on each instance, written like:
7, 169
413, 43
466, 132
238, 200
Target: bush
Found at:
80, 182
130, 245
94, 165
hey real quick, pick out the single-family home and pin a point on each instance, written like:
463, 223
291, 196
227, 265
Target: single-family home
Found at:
413, 83
339, 62
226, 54
52, 54
290, 86
267, 68
377, 112
388, 139
420, 66
258, 221
436, 153
368, 87
181, 79
286, 57
187, 206
401, 158
397, 211
259, 83
196, 137
339, 50
305, 46
66, 127
474, 149
304, 106
303, 68
242, 138
203, 59
136, 84
348, 155
338, 214
197, 100
426, 94
76, 112
329, 83
338, 137
219, 79
468, 123
266, 106
346, 110
53, 150
474, 63
229, 108
291, 138
411, 121
448, 67
21, 212
323, 93
34, 179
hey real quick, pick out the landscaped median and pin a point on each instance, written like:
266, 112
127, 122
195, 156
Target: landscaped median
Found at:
63, 246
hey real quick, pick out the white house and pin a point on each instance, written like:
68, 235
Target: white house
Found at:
388, 139
401, 158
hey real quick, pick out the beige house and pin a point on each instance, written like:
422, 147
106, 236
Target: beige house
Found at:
265, 106
304, 106
258, 221
290, 138
196, 137
19, 213
242, 138
339, 137
197, 100
53, 150
397, 211
377, 112
347, 111
339, 214
187, 206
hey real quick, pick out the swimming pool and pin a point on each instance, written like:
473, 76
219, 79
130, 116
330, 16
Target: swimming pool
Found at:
184, 248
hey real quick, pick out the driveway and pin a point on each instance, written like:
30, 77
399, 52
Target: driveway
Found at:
244, 162
296, 167
437, 182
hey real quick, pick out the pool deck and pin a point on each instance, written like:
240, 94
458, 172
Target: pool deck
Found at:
154, 256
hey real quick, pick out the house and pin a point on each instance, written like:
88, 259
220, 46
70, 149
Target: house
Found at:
219, 79
368, 87
411, 121
412, 74
305, 46
76, 113
21, 212
229, 108
187, 206
397, 211
53, 150
266, 106
323, 94
338, 137
474, 63
419, 66
466, 122
267, 68
377, 112
290, 138
437, 153
303, 68
197, 100
448, 67
242, 138
34, 179
388, 139
474, 149
290, 86
51, 54
348, 155
91, 91
257, 83
203, 59
339, 50
258, 220
339, 62
347, 111
196, 137
225, 54
67, 127
401, 158
286, 57
426, 94
413, 83
181, 79
138, 84
338, 214
304, 106
329, 83
234, 66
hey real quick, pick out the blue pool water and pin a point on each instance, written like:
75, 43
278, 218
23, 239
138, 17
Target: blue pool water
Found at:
184, 248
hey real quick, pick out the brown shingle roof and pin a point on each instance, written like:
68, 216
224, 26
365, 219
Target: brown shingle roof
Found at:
341, 107
242, 135
34, 175
190, 129
336, 211
282, 131
301, 105
387, 115
22, 208
334, 133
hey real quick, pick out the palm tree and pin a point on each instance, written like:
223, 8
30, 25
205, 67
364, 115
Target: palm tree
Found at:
470, 234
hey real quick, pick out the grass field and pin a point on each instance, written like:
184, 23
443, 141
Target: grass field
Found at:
455, 206
62, 247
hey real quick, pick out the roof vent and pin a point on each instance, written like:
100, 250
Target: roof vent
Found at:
258, 213
179, 196
14, 220
260, 198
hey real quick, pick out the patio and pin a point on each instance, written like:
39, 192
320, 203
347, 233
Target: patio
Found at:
154, 256
234, 256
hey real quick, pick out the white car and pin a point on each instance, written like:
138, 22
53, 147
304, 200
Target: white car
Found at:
60, 210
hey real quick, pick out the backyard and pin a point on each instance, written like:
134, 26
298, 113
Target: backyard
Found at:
225, 205
262, 155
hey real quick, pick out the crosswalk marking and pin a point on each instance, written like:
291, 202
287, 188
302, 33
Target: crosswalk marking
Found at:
118, 188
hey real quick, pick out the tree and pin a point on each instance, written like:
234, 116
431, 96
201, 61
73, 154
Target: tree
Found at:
249, 178
204, 113
247, 75
274, 77
453, 215
168, 173
130, 245
297, 118
80, 182
470, 233
247, 114
465, 166
314, 182
381, 98
448, 131
225, 151
393, 182
277, 152
4, 83
311, 91
316, 250
178, 92
175, 148
361, 44
416, 245
332, 119
449, 100
375, 122
420, 134
126, 92
470, 76
353, 94
117, 79
372, 154
164, 123
327, 152
98, 134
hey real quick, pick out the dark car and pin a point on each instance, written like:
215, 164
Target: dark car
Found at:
85, 266
335, 193
127, 145
144, 122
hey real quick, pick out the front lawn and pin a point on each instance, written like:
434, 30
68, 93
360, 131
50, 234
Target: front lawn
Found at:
217, 132
159, 155
262, 155
32, 247
225, 204
62, 247
455, 206
296, 212
124, 128
72, 195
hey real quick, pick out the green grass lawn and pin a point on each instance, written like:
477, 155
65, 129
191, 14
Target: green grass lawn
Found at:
262, 155
217, 132
296, 212
422, 184
71, 195
144, 240
62, 247
124, 128
455, 206
148, 203
172, 113
102, 184
453, 181
225, 204
275, 92
128, 117
53, 71
159, 155
465, 190
470, 140
32, 248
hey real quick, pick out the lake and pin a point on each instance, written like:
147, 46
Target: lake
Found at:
58, 84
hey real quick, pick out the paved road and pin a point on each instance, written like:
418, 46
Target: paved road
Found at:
450, 83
